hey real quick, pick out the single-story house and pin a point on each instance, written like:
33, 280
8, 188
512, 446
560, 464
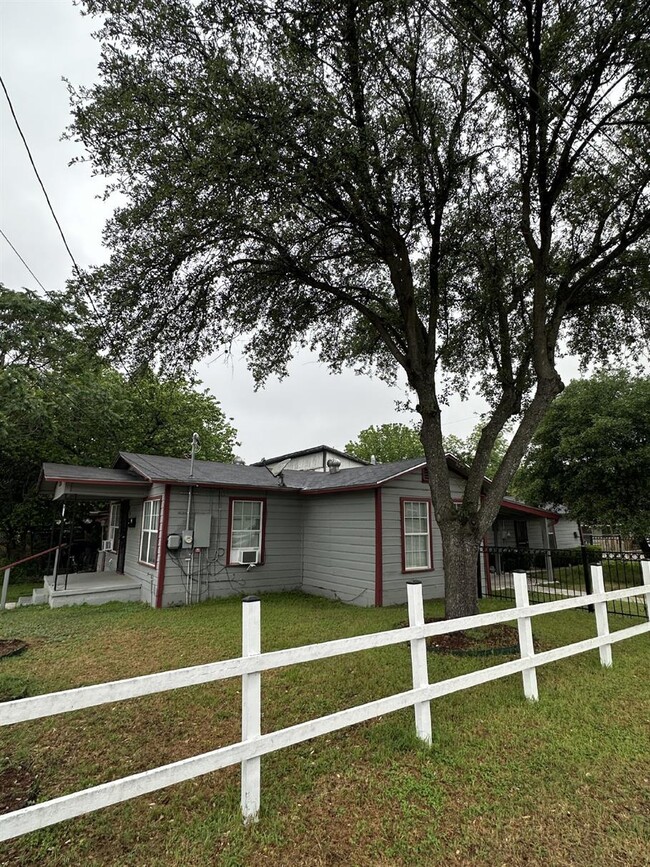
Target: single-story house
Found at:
318, 520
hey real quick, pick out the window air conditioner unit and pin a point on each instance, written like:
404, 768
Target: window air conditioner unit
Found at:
107, 545
247, 556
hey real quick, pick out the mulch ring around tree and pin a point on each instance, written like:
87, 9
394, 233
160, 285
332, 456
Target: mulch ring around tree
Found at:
497, 639
18, 787
12, 646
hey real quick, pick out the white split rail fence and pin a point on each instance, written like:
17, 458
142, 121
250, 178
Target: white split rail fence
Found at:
252, 663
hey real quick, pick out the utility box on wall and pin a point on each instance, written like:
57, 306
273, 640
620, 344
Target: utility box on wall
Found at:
202, 527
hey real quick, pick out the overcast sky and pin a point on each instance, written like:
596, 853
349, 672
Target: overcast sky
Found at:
44, 41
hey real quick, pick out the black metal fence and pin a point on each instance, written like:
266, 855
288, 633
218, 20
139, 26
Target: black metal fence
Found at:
556, 574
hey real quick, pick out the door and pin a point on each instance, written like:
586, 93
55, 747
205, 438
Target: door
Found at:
123, 530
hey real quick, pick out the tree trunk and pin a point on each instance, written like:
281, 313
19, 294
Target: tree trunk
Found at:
460, 547
644, 544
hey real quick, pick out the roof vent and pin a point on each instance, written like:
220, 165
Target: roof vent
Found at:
240, 462
373, 460
334, 465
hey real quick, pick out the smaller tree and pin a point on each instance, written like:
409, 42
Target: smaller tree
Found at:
592, 454
387, 442
63, 402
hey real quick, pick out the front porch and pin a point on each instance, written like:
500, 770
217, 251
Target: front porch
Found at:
89, 588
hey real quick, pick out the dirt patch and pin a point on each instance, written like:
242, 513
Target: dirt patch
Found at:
497, 639
18, 788
11, 646
482, 641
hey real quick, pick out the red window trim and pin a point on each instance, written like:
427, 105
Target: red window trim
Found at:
379, 551
160, 586
144, 562
261, 500
426, 500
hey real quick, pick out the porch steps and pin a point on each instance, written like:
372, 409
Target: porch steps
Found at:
39, 597
92, 588
23, 600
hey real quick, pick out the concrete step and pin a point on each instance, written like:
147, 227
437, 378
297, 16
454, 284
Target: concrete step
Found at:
24, 600
39, 597
9, 606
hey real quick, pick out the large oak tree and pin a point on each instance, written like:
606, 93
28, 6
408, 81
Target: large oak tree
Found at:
449, 189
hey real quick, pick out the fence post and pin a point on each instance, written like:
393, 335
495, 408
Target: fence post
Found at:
251, 709
602, 623
645, 572
5, 585
525, 629
587, 575
419, 660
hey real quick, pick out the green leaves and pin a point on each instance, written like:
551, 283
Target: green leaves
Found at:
64, 403
387, 442
592, 453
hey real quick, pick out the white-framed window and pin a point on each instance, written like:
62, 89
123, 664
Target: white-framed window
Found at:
149, 532
246, 542
416, 535
113, 529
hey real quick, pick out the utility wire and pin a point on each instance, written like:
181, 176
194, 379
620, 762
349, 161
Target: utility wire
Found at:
23, 261
76, 267
38, 177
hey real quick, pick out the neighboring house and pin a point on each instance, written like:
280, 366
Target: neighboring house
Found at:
356, 532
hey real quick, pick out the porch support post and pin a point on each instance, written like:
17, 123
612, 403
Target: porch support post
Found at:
5, 585
58, 550
251, 710
419, 660
645, 572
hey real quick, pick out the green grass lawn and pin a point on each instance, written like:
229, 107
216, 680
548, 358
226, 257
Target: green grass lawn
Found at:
565, 781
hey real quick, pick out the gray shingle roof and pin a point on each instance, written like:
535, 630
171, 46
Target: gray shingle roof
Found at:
156, 468
73, 473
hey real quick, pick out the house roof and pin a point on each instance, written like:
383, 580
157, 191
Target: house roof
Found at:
139, 471
369, 476
156, 468
52, 474
310, 451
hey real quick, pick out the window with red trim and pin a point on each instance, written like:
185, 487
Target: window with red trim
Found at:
246, 538
149, 532
416, 535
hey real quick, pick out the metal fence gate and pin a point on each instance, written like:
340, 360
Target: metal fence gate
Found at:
556, 574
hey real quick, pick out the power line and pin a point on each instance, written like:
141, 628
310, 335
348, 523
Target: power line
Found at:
38, 177
76, 267
23, 261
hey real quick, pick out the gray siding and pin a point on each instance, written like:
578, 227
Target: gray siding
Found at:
339, 546
536, 533
565, 534
212, 576
146, 575
316, 461
456, 485
394, 580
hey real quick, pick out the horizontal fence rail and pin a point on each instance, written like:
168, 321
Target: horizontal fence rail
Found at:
252, 664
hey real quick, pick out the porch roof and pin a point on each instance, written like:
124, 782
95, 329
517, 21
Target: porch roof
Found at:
90, 483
